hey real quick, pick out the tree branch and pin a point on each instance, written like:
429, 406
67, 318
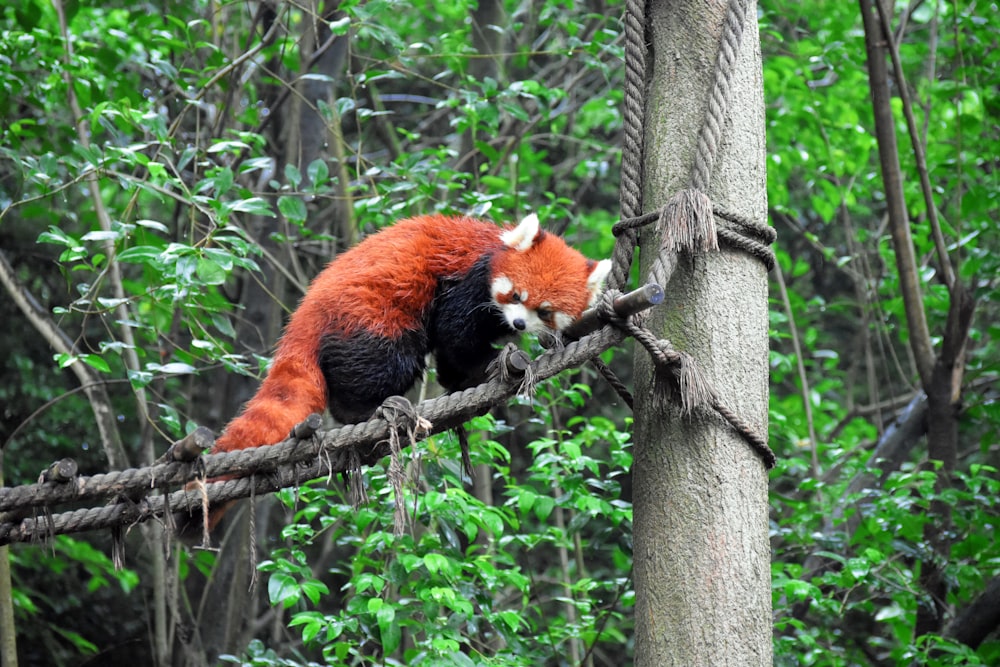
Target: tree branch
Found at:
130, 355
899, 226
980, 619
918, 151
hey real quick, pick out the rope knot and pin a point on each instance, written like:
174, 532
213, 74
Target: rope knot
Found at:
693, 388
513, 363
605, 306
748, 235
402, 416
403, 419
687, 223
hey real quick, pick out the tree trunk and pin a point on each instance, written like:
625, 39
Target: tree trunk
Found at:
702, 558
940, 376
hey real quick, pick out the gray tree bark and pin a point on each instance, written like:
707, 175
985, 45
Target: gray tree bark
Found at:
702, 558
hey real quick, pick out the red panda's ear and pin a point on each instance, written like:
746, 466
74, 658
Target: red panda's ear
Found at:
524, 235
595, 281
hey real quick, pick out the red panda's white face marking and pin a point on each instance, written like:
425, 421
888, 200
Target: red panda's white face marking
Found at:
562, 320
539, 283
517, 310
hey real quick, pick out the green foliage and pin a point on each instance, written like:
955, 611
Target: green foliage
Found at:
138, 221
89, 589
847, 564
454, 587
867, 578
181, 198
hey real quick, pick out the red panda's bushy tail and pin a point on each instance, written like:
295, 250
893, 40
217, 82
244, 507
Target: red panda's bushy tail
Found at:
293, 389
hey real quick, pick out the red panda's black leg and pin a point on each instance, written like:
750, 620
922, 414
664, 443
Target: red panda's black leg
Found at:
362, 370
464, 325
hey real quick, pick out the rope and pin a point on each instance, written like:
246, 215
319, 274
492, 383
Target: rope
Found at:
274, 467
404, 424
738, 232
682, 380
614, 382
630, 192
718, 103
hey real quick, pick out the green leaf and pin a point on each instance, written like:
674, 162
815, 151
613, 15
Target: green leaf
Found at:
175, 368
253, 205
57, 236
282, 589
222, 180
293, 175
28, 15
493, 522
157, 170
101, 235
96, 362
435, 563
227, 147
526, 500
389, 629
153, 224
318, 173
293, 208
139, 379
544, 507
312, 624
211, 272
140, 254
314, 589
65, 360
571, 449
224, 326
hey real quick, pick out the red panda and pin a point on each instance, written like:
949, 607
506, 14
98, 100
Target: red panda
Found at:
447, 285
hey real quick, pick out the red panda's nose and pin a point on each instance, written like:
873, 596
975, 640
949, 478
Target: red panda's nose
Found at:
519, 324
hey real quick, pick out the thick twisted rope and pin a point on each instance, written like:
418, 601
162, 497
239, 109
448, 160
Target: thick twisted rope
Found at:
710, 135
272, 467
589, 337
630, 192
683, 380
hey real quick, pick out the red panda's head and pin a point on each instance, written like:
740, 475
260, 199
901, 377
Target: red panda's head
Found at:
540, 283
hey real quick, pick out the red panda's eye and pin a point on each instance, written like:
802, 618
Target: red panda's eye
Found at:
515, 297
544, 314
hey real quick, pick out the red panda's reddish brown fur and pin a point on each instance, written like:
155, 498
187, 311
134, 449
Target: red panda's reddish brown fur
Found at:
432, 283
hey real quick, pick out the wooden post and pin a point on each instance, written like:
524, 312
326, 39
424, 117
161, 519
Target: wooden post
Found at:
702, 557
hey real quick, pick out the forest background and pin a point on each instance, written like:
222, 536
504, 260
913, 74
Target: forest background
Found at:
170, 183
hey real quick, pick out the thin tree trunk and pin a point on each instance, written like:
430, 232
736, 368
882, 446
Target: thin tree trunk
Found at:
93, 387
892, 180
702, 558
940, 376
